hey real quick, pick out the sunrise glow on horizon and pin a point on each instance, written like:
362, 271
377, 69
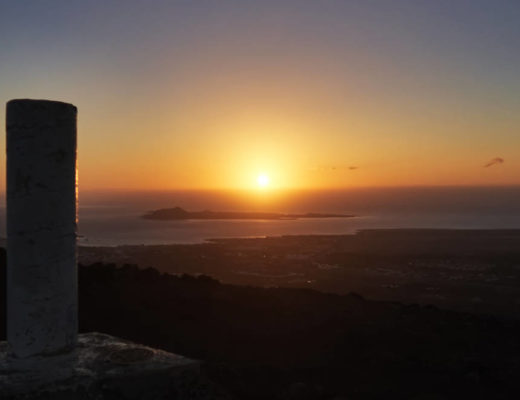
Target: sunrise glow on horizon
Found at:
202, 95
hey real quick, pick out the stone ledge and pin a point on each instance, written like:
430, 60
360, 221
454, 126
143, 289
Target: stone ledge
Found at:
104, 367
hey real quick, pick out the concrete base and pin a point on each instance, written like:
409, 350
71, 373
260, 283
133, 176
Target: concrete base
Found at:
103, 367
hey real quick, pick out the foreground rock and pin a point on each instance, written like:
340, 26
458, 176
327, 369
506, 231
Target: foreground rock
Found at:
104, 367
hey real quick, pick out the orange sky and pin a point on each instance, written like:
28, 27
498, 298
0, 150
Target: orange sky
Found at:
184, 97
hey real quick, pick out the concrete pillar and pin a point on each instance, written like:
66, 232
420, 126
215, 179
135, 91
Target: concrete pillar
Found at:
41, 228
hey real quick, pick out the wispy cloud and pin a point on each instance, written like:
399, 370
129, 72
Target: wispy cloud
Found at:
494, 161
323, 168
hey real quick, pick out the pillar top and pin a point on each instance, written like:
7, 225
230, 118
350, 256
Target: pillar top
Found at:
22, 113
39, 102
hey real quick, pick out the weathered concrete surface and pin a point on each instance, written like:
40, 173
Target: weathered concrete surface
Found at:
104, 367
41, 228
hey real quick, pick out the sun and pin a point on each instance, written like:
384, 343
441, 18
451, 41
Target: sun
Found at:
262, 180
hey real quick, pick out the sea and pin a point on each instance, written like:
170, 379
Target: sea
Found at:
113, 217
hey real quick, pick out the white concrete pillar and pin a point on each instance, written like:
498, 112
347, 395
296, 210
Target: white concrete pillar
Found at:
41, 228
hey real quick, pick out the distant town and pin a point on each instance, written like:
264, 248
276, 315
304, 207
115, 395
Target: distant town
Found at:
471, 271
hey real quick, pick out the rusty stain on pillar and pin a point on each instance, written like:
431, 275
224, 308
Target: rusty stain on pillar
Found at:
41, 228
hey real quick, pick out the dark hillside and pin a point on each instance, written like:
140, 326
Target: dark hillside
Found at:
303, 344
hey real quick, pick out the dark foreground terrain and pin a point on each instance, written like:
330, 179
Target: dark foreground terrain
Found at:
289, 343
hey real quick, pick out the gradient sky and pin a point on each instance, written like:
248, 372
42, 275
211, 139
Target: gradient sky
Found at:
316, 94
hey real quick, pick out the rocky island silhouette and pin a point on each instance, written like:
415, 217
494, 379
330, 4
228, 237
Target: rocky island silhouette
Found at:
178, 213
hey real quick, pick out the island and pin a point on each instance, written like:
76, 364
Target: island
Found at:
178, 213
